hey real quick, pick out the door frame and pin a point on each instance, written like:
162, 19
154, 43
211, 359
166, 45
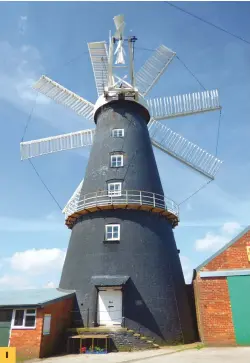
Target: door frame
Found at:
106, 288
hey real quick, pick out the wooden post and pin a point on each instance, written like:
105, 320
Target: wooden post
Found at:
88, 317
80, 345
68, 345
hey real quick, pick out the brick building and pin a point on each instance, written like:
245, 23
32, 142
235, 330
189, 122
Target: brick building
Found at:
222, 294
35, 321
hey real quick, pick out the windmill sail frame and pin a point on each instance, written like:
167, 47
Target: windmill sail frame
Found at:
107, 85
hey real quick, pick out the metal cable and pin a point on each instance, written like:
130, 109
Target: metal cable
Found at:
29, 117
203, 186
216, 153
48, 190
208, 22
25, 130
27, 125
75, 58
66, 63
147, 49
181, 61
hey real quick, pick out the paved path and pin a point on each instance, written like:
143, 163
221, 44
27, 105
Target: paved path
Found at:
205, 355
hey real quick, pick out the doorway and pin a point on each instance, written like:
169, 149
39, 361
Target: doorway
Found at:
110, 307
239, 291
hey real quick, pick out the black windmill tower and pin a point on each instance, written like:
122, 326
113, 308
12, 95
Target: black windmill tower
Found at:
122, 258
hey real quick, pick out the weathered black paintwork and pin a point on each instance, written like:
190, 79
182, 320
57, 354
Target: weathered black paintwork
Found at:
154, 296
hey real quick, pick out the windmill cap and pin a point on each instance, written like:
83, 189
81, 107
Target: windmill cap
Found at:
102, 101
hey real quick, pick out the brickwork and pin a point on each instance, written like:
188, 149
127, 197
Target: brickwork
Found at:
212, 296
214, 311
235, 257
61, 320
30, 343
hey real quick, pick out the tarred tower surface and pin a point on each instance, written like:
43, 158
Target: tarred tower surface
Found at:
141, 260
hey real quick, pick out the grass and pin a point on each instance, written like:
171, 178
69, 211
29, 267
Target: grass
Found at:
200, 346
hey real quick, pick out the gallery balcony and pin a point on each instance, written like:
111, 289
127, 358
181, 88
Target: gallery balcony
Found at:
125, 199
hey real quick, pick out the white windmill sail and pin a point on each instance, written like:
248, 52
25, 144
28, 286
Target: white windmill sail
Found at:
152, 70
99, 59
48, 145
119, 52
183, 105
160, 108
183, 150
65, 97
72, 204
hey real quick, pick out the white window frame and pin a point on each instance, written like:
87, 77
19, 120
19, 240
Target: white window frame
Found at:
46, 324
114, 157
117, 132
112, 238
24, 319
115, 193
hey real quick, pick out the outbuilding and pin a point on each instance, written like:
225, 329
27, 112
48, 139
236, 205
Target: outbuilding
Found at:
222, 294
35, 321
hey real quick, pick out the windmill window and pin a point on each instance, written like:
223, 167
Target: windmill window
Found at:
112, 232
115, 189
24, 319
116, 160
118, 132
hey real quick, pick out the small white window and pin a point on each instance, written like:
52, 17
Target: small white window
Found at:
115, 189
24, 319
116, 160
112, 232
118, 132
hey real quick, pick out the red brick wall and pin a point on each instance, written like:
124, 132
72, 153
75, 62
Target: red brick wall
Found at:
214, 311
30, 343
60, 321
212, 297
235, 257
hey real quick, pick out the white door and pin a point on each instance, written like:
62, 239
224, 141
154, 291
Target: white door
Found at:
110, 307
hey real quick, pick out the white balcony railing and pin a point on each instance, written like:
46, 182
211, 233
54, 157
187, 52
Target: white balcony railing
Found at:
127, 197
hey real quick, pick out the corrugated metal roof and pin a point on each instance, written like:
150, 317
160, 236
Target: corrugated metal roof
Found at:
31, 297
224, 248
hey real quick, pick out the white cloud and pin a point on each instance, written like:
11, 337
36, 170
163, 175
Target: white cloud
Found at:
50, 285
231, 227
26, 93
187, 268
34, 268
37, 261
213, 242
20, 67
22, 24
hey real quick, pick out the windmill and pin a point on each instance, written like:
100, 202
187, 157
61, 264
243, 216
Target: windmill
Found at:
122, 258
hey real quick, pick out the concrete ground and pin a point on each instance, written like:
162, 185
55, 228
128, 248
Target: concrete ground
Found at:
163, 355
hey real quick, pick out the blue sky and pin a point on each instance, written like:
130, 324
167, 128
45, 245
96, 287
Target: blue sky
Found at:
40, 38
